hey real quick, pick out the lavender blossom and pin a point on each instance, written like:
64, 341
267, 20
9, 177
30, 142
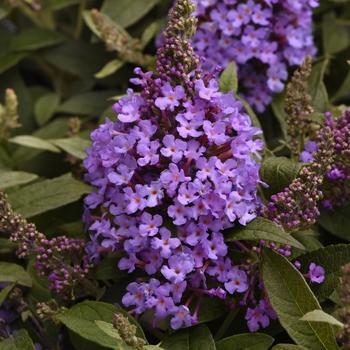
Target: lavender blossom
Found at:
264, 38
173, 171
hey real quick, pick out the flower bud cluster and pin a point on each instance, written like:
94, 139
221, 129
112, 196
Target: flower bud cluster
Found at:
297, 206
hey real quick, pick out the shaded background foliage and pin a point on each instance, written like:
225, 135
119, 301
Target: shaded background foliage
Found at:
67, 65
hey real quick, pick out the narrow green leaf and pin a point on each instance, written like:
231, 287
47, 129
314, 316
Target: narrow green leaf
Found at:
317, 87
251, 341
10, 59
10, 272
309, 239
74, 146
46, 195
194, 338
45, 107
14, 178
34, 39
262, 229
34, 142
278, 173
336, 37
110, 68
343, 90
82, 317
228, 80
292, 298
90, 103
57, 5
18, 341
336, 221
5, 292
278, 105
331, 258
320, 316
126, 12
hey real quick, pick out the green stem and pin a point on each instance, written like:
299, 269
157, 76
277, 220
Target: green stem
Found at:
226, 324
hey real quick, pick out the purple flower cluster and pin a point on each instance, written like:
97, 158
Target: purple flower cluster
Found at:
175, 169
65, 264
336, 188
263, 37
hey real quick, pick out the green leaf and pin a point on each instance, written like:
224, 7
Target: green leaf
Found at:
4, 11
14, 178
74, 146
331, 258
6, 246
126, 12
10, 59
194, 338
108, 328
45, 107
151, 31
343, 89
18, 341
228, 80
278, 105
251, 341
278, 173
77, 58
320, 316
34, 39
110, 68
81, 320
262, 229
10, 272
309, 239
46, 195
288, 347
61, 4
34, 142
336, 221
317, 87
5, 292
292, 298
335, 36
89, 103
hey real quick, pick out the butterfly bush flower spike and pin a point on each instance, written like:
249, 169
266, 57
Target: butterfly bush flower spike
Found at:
170, 174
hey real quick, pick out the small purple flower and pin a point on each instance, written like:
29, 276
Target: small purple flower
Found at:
316, 273
165, 244
179, 266
173, 177
174, 148
187, 193
257, 318
150, 224
128, 107
237, 281
181, 317
207, 93
172, 97
215, 247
